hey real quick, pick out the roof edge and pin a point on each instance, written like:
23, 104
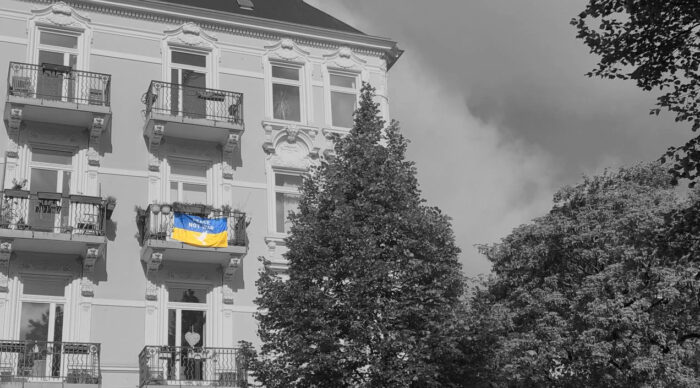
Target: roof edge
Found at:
384, 47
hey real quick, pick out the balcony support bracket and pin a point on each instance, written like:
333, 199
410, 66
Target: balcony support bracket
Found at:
230, 270
5, 253
153, 263
87, 286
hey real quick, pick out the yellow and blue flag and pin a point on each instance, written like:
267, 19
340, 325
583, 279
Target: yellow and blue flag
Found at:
200, 231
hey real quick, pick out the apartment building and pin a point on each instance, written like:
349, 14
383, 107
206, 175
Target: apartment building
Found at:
124, 117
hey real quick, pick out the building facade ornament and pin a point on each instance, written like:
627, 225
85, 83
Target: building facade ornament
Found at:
229, 270
296, 141
87, 286
96, 130
61, 15
286, 49
5, 253
190, 35
232, 143
14, 125
153, 263
345, 58
154, 146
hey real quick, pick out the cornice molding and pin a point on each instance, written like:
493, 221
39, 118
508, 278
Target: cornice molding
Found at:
237, 24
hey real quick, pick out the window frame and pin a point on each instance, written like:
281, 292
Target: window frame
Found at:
301, 84
274, 190
181, 179
329, 88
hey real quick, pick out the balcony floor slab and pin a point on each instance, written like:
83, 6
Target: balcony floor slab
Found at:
59, 243
58, 112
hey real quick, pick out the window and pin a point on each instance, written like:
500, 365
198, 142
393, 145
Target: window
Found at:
286, 199
188, 74
188, 182
286, 93
50, 172
57, 49
343, 90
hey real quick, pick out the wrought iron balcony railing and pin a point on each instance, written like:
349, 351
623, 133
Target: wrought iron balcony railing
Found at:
54, 362
184, 365
194, 102
52, 212
59, 83
160, 219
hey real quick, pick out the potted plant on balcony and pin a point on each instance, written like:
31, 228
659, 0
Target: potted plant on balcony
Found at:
17, 189
192, 208
110, 204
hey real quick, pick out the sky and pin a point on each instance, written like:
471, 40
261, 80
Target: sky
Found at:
493, 96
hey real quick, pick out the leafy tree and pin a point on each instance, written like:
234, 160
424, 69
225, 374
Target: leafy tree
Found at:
604, 290
373, 274
656, 43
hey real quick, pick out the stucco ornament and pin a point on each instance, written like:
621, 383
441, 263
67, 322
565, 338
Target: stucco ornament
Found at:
345, 58
287, 50
191, 35
60, 14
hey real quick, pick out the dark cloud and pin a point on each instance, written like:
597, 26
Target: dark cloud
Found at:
494, 97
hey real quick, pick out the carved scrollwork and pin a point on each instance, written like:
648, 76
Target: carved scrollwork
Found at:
345, 58
287, 50
62, 15
191, 35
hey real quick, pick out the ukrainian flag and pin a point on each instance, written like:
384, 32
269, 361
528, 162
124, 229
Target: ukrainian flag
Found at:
200, 231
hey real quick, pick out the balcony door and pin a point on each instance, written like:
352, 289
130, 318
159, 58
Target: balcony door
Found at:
41, 325
189, 79
58, 56
49, 183
187, 334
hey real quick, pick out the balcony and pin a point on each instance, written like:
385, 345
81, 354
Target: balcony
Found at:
157, 228
49, 364
191, 366
52, 222
192, 113
57, 94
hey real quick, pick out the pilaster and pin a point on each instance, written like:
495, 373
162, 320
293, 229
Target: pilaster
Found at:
232, 143
230, 270
153, 264
96, 130
87, 286
14, 125
5, 253
154, 146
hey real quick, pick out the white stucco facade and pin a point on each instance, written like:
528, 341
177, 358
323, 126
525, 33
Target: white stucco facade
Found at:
116, 287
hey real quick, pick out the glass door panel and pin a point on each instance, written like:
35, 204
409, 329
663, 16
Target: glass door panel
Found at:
186, 335
50, 83
193, 84
41, 323
44, 213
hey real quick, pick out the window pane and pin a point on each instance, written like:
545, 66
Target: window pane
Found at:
284, 204
343, 81
188, 169
285, 72
342, 108
173, 192
286, 180
189, 59
34, 321
49, 286
192, 193
285, 101
51, 156
58, 324
44, 180
58, 40
187, 295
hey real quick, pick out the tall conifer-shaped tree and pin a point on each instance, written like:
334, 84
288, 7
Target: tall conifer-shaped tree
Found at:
374, 279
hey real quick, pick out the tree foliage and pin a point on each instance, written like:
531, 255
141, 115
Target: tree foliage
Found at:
656, 43
604, 290
373, 274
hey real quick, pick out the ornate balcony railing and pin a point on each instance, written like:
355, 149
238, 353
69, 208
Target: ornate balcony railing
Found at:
61, 83
55, 362
193, 102
52, 212
159, 221
184, 365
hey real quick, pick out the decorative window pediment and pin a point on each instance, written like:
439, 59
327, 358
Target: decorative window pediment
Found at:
192, 36
286, 50
290, 146
345, 58
60, 15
